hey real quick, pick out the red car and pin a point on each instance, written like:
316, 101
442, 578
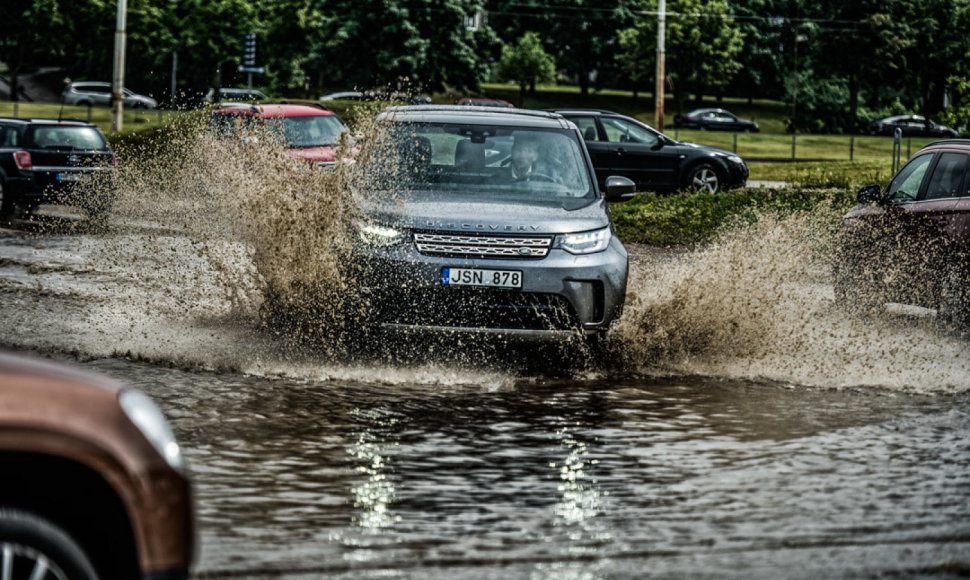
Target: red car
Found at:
309, 132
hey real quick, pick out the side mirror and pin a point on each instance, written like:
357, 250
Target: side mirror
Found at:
619, 188
869, 194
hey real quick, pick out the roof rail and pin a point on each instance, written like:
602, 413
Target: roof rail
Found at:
947, 142
472, 108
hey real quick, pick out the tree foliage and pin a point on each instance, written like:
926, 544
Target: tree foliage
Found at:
702, 45
855, 59
526, 63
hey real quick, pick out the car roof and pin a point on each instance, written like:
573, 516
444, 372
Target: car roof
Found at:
476, 115
35, 121
91, 84
273, 110
947, 143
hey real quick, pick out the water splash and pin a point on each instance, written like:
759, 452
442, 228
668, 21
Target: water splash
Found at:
758, 304
230, 255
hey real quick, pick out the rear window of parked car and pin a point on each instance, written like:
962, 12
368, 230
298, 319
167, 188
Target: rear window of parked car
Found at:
67, 137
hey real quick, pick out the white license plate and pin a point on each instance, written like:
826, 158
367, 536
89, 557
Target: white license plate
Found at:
71, 176
480, 277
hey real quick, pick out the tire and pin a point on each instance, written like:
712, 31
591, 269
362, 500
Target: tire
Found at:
6, 205
953, 308
33, 543
704, 177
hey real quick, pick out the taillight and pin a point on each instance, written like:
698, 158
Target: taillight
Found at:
22, 159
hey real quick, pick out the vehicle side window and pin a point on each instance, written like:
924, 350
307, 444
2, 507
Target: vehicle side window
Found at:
947, 178
8, 137
619, 130
905, 186
587, 127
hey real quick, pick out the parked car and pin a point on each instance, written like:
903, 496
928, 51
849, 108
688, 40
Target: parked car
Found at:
46, 161
909, 242
94, 483
375, 95
482, 102
621, 145
911, 126
714, 120
345, 96
231, 95
489, 222
99, 93
309, 133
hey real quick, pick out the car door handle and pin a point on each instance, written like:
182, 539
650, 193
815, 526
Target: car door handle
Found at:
620, 150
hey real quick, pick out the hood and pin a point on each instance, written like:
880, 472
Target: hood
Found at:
705, 148
487, 217
324, 154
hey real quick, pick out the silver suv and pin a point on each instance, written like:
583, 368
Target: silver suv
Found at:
489, 221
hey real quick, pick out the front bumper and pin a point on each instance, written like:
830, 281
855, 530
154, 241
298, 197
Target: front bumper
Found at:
561, 294
737, 175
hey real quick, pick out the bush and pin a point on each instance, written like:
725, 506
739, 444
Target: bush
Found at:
692, 218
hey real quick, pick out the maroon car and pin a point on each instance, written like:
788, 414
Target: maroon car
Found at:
93, 482
909, 242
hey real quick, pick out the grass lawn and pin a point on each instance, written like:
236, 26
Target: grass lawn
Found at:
132, 120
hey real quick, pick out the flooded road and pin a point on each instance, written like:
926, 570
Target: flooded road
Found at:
713, 442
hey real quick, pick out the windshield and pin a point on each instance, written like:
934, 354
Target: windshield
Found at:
313, 131
483, 161
68, 137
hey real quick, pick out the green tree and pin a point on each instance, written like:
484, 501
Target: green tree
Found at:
581, 35
527, 64
764, 60
385, 43
29, 31
702, 44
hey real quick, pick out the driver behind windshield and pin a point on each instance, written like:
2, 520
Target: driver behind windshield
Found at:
527, 163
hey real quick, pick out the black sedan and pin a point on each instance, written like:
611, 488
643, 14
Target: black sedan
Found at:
911, 126
621, 145
714, 120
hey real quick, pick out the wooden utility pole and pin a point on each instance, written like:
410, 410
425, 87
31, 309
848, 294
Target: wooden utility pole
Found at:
658, 115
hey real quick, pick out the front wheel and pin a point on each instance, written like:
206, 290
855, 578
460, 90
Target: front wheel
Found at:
704, 177
6, 204
33, 547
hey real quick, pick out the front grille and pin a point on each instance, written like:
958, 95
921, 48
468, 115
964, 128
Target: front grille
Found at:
497, 246
480, 308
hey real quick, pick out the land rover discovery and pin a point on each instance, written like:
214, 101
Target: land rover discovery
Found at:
489, 221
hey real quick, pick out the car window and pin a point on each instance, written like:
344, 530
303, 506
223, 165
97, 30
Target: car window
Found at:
309, 131
587, 127
623, 131
948, 176
68, 137
905, 186
8, 137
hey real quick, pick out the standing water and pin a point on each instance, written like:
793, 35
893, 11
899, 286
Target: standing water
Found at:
738, 425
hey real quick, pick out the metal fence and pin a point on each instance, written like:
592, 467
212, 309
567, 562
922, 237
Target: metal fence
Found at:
781, 147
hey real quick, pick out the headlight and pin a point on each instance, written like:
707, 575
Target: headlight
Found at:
586, 242
378, 235
146, 416
735, 159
